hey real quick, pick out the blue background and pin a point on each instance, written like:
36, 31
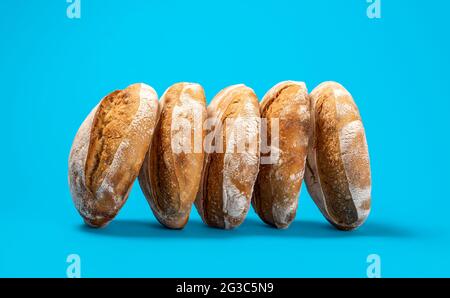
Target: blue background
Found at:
53, 70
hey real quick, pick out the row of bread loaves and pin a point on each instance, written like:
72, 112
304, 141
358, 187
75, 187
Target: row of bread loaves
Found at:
223, 157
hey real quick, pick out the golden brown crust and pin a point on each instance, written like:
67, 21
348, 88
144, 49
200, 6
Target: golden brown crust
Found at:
329, 163
338, 172
277, 188
110, 124
171, 173
229, 175
118, 136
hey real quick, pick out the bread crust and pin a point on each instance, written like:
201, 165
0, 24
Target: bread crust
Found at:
277, 188
171, 173
229, 175
338, 168
109, 150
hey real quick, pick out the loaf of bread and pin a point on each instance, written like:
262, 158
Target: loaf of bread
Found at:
231, 159
171, 173
286, 111
108, 151
338, 169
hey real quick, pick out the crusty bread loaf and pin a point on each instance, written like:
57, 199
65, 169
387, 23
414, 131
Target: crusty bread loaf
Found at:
338, 169
109, 150
286, 110
230, 170
171, 173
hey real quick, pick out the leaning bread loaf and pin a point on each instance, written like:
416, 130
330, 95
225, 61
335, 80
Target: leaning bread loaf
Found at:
171, 173
232, 158
286, 111
109, 150
338, 169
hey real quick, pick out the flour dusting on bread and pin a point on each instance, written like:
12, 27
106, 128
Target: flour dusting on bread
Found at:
77, 160
187, 122
353, 154
235, 202
147, 97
